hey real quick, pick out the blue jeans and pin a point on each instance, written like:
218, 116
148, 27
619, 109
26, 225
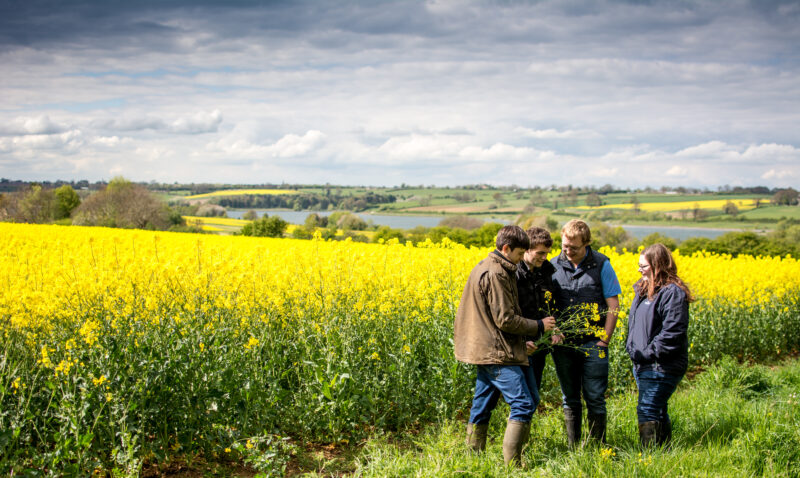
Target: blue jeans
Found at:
510, 381
655, 388
583, 372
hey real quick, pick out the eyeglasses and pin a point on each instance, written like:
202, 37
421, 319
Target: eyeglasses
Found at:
572, 248
643, 267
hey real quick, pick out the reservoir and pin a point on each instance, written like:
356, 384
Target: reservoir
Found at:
412, 221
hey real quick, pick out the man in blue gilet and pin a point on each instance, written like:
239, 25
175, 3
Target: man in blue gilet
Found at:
584, 276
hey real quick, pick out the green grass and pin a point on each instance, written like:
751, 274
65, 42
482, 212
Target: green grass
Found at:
773, 212
732, 420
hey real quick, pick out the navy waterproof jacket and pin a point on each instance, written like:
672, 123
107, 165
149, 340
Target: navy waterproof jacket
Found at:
659, 340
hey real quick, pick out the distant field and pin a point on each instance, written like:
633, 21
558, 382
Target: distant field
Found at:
663, 206
243, 192
773, 212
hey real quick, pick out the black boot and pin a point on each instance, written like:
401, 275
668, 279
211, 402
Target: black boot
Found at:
649, 433
476, 436
597, 427
572, 421
664, 435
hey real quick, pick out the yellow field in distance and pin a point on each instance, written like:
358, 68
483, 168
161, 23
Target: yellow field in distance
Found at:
742, 204
243, 192
214, 221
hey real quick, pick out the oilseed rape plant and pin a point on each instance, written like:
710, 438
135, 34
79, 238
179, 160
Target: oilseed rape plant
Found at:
124, 347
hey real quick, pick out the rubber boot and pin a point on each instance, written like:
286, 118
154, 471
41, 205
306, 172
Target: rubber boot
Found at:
664, 433
572, 422
597, 427
648, 433
476, 436
515, 438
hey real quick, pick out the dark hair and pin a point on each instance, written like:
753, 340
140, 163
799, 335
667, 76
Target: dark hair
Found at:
512, 236
539, 236
663, 271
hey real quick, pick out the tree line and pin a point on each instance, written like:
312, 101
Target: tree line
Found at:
120, 203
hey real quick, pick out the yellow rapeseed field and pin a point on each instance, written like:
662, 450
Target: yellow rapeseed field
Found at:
48, 271
121, 346
709, 204
243, 192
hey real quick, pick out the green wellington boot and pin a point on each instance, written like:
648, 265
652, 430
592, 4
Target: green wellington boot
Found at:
476, 436
515, 438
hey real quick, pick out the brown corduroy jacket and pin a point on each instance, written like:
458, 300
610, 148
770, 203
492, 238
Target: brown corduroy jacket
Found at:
489, 329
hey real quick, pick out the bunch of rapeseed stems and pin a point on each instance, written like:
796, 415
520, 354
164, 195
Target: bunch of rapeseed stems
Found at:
121, 347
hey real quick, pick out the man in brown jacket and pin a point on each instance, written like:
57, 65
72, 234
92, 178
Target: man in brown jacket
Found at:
490, 332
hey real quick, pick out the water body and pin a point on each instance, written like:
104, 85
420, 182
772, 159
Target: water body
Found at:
396, 222
410, 222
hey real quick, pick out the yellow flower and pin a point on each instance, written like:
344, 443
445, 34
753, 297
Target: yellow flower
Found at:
251, 343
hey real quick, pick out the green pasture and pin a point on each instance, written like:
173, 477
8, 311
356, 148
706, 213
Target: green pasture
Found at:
732, 420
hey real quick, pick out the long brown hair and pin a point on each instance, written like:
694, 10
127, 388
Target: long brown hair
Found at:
663, 271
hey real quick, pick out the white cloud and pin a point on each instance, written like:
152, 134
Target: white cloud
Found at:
778, 174
69, 142
417, 147
39, 125
605, 172
677, 171
240, 144
556, 134
292, 145
200, 122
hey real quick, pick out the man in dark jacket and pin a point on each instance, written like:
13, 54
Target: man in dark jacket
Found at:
535, 284
489, 331
584, 277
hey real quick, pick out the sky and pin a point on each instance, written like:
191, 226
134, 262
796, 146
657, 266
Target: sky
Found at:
381, 93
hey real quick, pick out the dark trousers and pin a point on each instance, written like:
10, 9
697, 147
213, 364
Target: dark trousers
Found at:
583, 372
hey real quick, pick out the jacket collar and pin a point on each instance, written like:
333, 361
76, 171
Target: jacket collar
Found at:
547, 268
499, 258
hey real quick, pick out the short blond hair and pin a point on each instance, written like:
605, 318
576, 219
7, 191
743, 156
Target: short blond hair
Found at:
577, 229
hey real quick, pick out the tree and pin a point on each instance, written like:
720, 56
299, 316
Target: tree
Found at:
36, 205
657, 237
593, 200
123, 204
698, 213
351, 221
730, 209
250, 215
635, 202
785, 197
66, 201
315, 220
463, 222
267, 226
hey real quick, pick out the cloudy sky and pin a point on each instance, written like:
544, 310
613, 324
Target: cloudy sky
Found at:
444, 92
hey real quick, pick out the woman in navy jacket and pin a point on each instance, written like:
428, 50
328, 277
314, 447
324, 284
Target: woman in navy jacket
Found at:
658, 342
